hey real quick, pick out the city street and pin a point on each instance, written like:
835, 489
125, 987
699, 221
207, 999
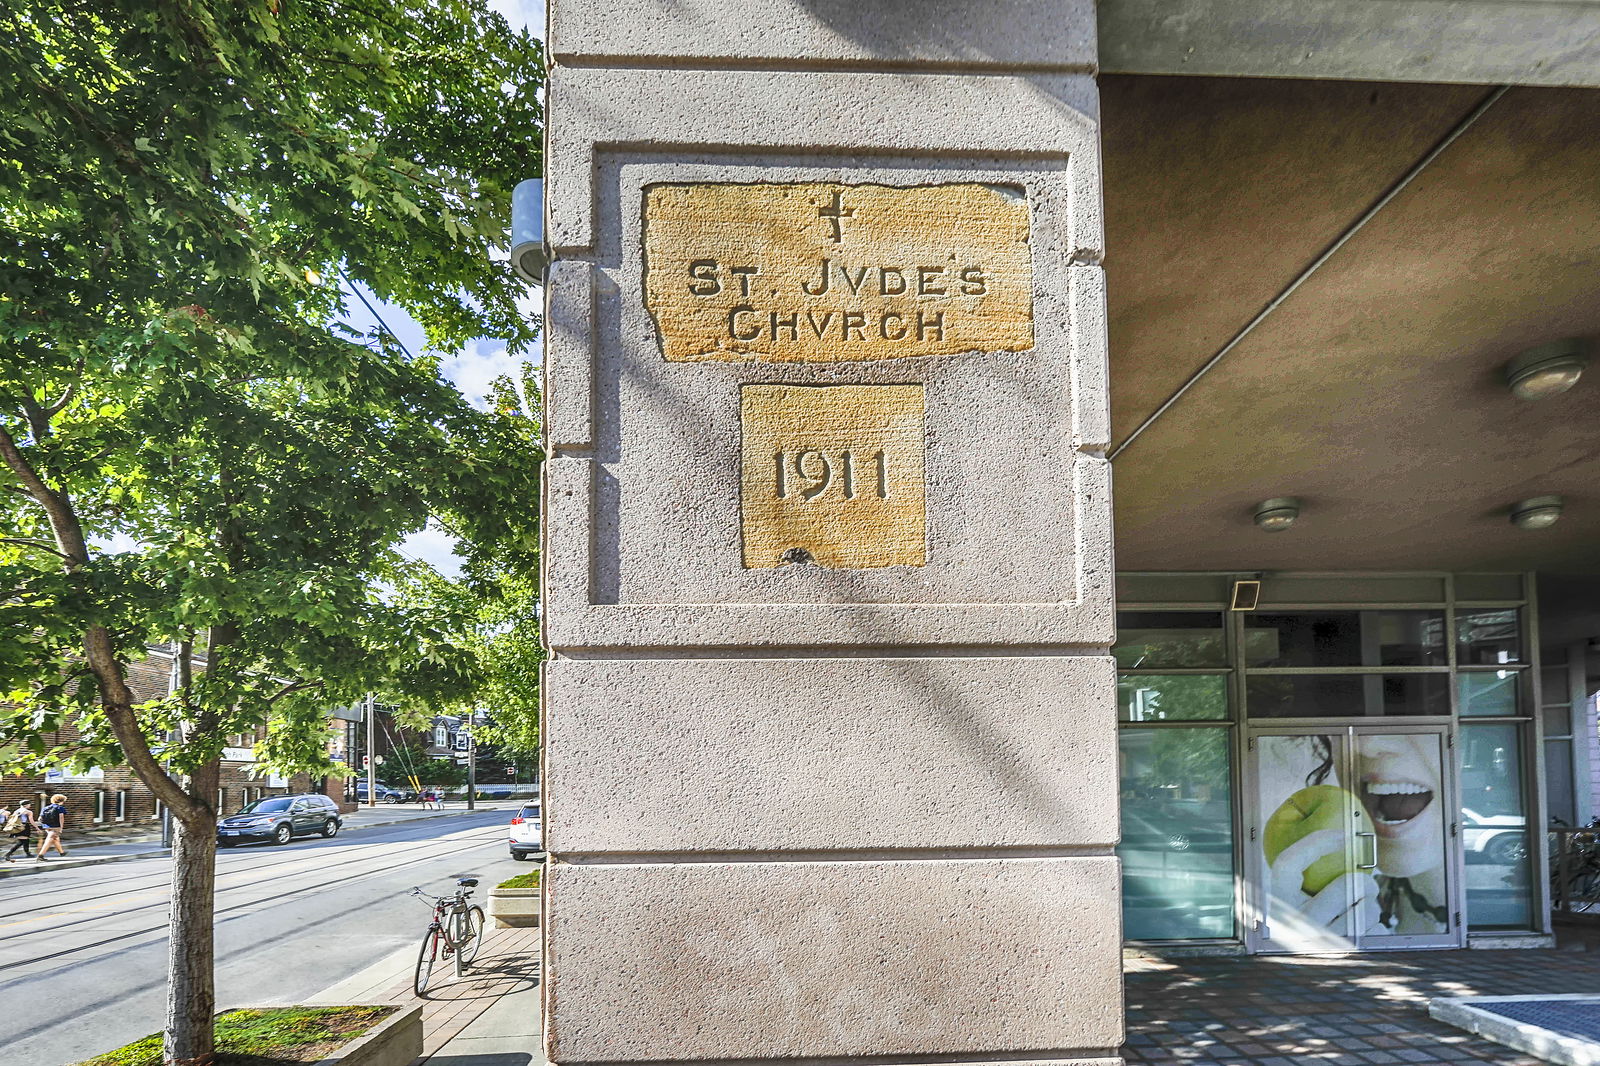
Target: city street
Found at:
83, 951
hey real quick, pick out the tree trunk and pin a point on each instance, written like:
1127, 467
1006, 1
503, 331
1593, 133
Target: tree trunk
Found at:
191, 985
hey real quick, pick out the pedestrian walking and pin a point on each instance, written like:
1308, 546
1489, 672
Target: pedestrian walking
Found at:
52, 822
18, 825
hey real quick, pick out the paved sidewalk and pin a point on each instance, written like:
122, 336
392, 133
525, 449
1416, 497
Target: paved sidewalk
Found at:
1366, 1010
150, 847
490, 1017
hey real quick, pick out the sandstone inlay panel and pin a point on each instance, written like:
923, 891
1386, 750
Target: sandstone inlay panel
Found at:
826, 272
832, 475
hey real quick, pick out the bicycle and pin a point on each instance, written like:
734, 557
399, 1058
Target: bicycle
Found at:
456, 932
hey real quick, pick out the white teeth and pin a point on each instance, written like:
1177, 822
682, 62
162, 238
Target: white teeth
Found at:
1396, 788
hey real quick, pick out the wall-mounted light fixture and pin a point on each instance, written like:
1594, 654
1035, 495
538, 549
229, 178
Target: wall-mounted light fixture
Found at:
1278, 513
529, 254
1536, 512
1548, 370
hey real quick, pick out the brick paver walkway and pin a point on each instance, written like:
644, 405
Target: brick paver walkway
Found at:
1353, 1011
507, 962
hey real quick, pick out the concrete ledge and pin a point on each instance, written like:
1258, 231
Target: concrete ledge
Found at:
1510, 941
517, 907
967, 34
1468, 1013
395, 1041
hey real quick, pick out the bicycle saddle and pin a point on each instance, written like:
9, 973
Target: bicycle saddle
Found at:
467, 882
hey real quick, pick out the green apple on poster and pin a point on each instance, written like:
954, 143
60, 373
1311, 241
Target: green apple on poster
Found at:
1308, 811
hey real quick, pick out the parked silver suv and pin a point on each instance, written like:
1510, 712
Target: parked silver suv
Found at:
280, 819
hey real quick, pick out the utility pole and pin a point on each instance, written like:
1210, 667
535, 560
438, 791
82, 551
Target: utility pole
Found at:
174, 682
372, 755
472, 766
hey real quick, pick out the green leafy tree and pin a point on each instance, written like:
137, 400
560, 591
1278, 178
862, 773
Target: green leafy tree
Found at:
495, 604
192, 451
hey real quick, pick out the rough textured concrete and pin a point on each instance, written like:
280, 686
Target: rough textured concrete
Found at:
569, 354
1008, 558
1485, 42
801, 754
1049, 118
777, 960
1004, 34
909, 750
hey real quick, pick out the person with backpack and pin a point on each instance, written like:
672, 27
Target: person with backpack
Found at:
18, 825
52, 821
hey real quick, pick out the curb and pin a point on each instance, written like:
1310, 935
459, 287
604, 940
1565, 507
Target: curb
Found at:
28, 866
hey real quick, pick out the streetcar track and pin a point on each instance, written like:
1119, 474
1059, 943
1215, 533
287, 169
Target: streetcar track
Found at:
167, 902
230, 909
164, 876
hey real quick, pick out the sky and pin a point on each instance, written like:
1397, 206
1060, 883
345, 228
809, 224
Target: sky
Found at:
471, 370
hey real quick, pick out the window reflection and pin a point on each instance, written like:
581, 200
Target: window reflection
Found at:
1346, 695
1494, 827
1346, 638
1177, 834
1172, 697
1169, 639
1487, 637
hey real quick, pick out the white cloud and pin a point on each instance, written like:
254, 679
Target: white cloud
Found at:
528, 13
473, 370
435, 547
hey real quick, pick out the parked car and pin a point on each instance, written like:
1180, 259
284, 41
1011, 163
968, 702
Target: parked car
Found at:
525, 840
385, 793
280, 819
1502, 839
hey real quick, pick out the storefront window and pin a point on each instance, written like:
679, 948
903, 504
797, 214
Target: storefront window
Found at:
1487, 637
1170, 640
1177, 834
1491, 694
1346, 638
1346, 695
1494, 827
1172, 697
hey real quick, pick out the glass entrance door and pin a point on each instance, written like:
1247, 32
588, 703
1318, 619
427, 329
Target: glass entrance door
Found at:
1350, 846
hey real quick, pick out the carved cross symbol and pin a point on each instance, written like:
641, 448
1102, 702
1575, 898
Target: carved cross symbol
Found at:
837, 213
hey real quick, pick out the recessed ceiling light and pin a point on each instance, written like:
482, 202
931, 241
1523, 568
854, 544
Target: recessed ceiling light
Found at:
1547, 370
1536, 512
1278, 513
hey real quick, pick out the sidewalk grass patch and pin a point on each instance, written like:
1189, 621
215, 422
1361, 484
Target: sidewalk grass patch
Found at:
270, 1036
528, 880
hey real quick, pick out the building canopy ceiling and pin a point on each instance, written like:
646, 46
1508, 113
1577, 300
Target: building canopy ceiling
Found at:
1374, 392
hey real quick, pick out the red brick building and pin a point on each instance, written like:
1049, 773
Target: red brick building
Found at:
105, 801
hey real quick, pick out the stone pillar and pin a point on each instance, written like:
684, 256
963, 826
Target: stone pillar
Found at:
830, 735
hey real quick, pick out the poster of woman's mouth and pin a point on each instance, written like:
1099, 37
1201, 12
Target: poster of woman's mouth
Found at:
1353, 837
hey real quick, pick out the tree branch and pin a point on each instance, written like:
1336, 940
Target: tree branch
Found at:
39, 544
297, 686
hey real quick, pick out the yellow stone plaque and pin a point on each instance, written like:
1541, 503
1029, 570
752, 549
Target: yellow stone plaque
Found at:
820, 272
832, 475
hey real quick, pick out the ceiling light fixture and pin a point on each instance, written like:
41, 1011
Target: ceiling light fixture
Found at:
1278, 513
1536, 512
1548, 370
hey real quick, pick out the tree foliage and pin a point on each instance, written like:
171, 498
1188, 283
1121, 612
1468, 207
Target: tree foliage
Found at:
192, 449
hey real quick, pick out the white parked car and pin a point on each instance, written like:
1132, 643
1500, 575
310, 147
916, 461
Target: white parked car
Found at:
525, 840
1501, 839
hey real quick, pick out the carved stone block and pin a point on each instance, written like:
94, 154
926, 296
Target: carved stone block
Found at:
824, 272
832, 475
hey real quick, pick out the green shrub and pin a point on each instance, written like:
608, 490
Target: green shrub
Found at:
529, 880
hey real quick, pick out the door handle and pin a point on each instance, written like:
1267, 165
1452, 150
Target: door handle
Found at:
1371, 838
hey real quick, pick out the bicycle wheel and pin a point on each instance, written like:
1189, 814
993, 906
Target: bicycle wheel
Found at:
425, 960
472, 934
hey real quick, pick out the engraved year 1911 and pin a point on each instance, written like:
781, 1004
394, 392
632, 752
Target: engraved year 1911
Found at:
809, 473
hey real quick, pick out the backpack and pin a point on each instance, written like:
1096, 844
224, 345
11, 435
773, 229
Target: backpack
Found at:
14, 824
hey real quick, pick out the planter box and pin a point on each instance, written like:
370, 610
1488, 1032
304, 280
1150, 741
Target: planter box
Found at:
395, 1041
514, 906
